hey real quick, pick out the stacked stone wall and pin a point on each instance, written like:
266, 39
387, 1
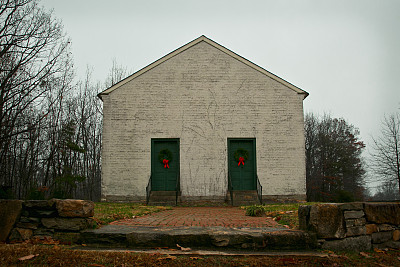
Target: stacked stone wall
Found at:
59, 219
353, 226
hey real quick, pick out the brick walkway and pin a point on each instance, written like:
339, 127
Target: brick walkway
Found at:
200, 216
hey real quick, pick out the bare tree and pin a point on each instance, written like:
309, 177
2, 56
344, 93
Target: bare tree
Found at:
35, 64
32, 50
116, 74
386, 151
50, 126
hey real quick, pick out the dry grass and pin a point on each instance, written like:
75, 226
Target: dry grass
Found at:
56, 255
105, 212
284, 214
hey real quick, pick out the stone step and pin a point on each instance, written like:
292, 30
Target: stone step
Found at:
163, 198
245, 198
163, 193
239, 203
162, 203
245, 193
262, 239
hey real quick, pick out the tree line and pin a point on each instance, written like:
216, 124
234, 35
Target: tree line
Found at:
51, 125
335, 168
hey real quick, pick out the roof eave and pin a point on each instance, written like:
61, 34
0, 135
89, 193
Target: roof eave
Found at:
305, 94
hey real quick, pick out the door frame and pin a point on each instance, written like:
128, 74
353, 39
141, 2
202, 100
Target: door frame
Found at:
177, 140
254, 154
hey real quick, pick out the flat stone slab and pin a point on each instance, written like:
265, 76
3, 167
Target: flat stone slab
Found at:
109, 236
383, 212
10, 211
75, 208
214, 252
200, 237
357, 243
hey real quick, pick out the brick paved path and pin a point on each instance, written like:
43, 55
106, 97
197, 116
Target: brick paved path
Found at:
200, 216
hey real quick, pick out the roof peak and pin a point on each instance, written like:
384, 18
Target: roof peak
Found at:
214, 44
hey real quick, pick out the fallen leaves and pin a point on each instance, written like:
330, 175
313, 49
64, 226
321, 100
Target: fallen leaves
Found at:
28, 257
44, 240
51, 256
182, 248
168, 257
379, 250
333, 255
365, 255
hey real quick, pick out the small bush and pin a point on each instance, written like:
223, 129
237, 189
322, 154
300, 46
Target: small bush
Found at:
6, 192
38, 193
255, 210
344, 196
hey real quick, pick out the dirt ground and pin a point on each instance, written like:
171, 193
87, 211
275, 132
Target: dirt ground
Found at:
51, 253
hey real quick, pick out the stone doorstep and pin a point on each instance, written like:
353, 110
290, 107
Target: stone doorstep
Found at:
200, 237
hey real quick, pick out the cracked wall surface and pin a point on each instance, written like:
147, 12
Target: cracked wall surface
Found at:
202, 96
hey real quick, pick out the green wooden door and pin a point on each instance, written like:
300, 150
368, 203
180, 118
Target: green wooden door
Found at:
242, 166
164, 174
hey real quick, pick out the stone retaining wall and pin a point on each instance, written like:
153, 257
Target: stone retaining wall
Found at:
353, 226
61, 219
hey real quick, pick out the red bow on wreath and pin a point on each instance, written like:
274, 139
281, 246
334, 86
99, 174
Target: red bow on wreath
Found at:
241, 160
165, 162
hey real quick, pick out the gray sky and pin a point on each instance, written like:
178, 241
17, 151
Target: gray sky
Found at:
345, 53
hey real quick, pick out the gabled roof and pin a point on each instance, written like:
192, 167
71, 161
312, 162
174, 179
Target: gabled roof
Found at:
214, 44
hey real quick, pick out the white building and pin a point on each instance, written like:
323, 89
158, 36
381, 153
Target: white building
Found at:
198, 120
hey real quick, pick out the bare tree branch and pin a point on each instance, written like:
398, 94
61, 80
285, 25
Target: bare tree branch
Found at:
386, 151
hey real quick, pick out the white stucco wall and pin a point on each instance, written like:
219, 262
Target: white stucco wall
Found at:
202, 96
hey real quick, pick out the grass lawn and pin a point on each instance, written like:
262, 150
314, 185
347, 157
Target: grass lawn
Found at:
284, 214
105, 212
56, 255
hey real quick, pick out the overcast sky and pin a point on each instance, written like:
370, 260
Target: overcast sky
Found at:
345, 53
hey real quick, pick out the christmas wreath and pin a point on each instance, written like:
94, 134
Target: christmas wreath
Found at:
165, 157
241, 155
